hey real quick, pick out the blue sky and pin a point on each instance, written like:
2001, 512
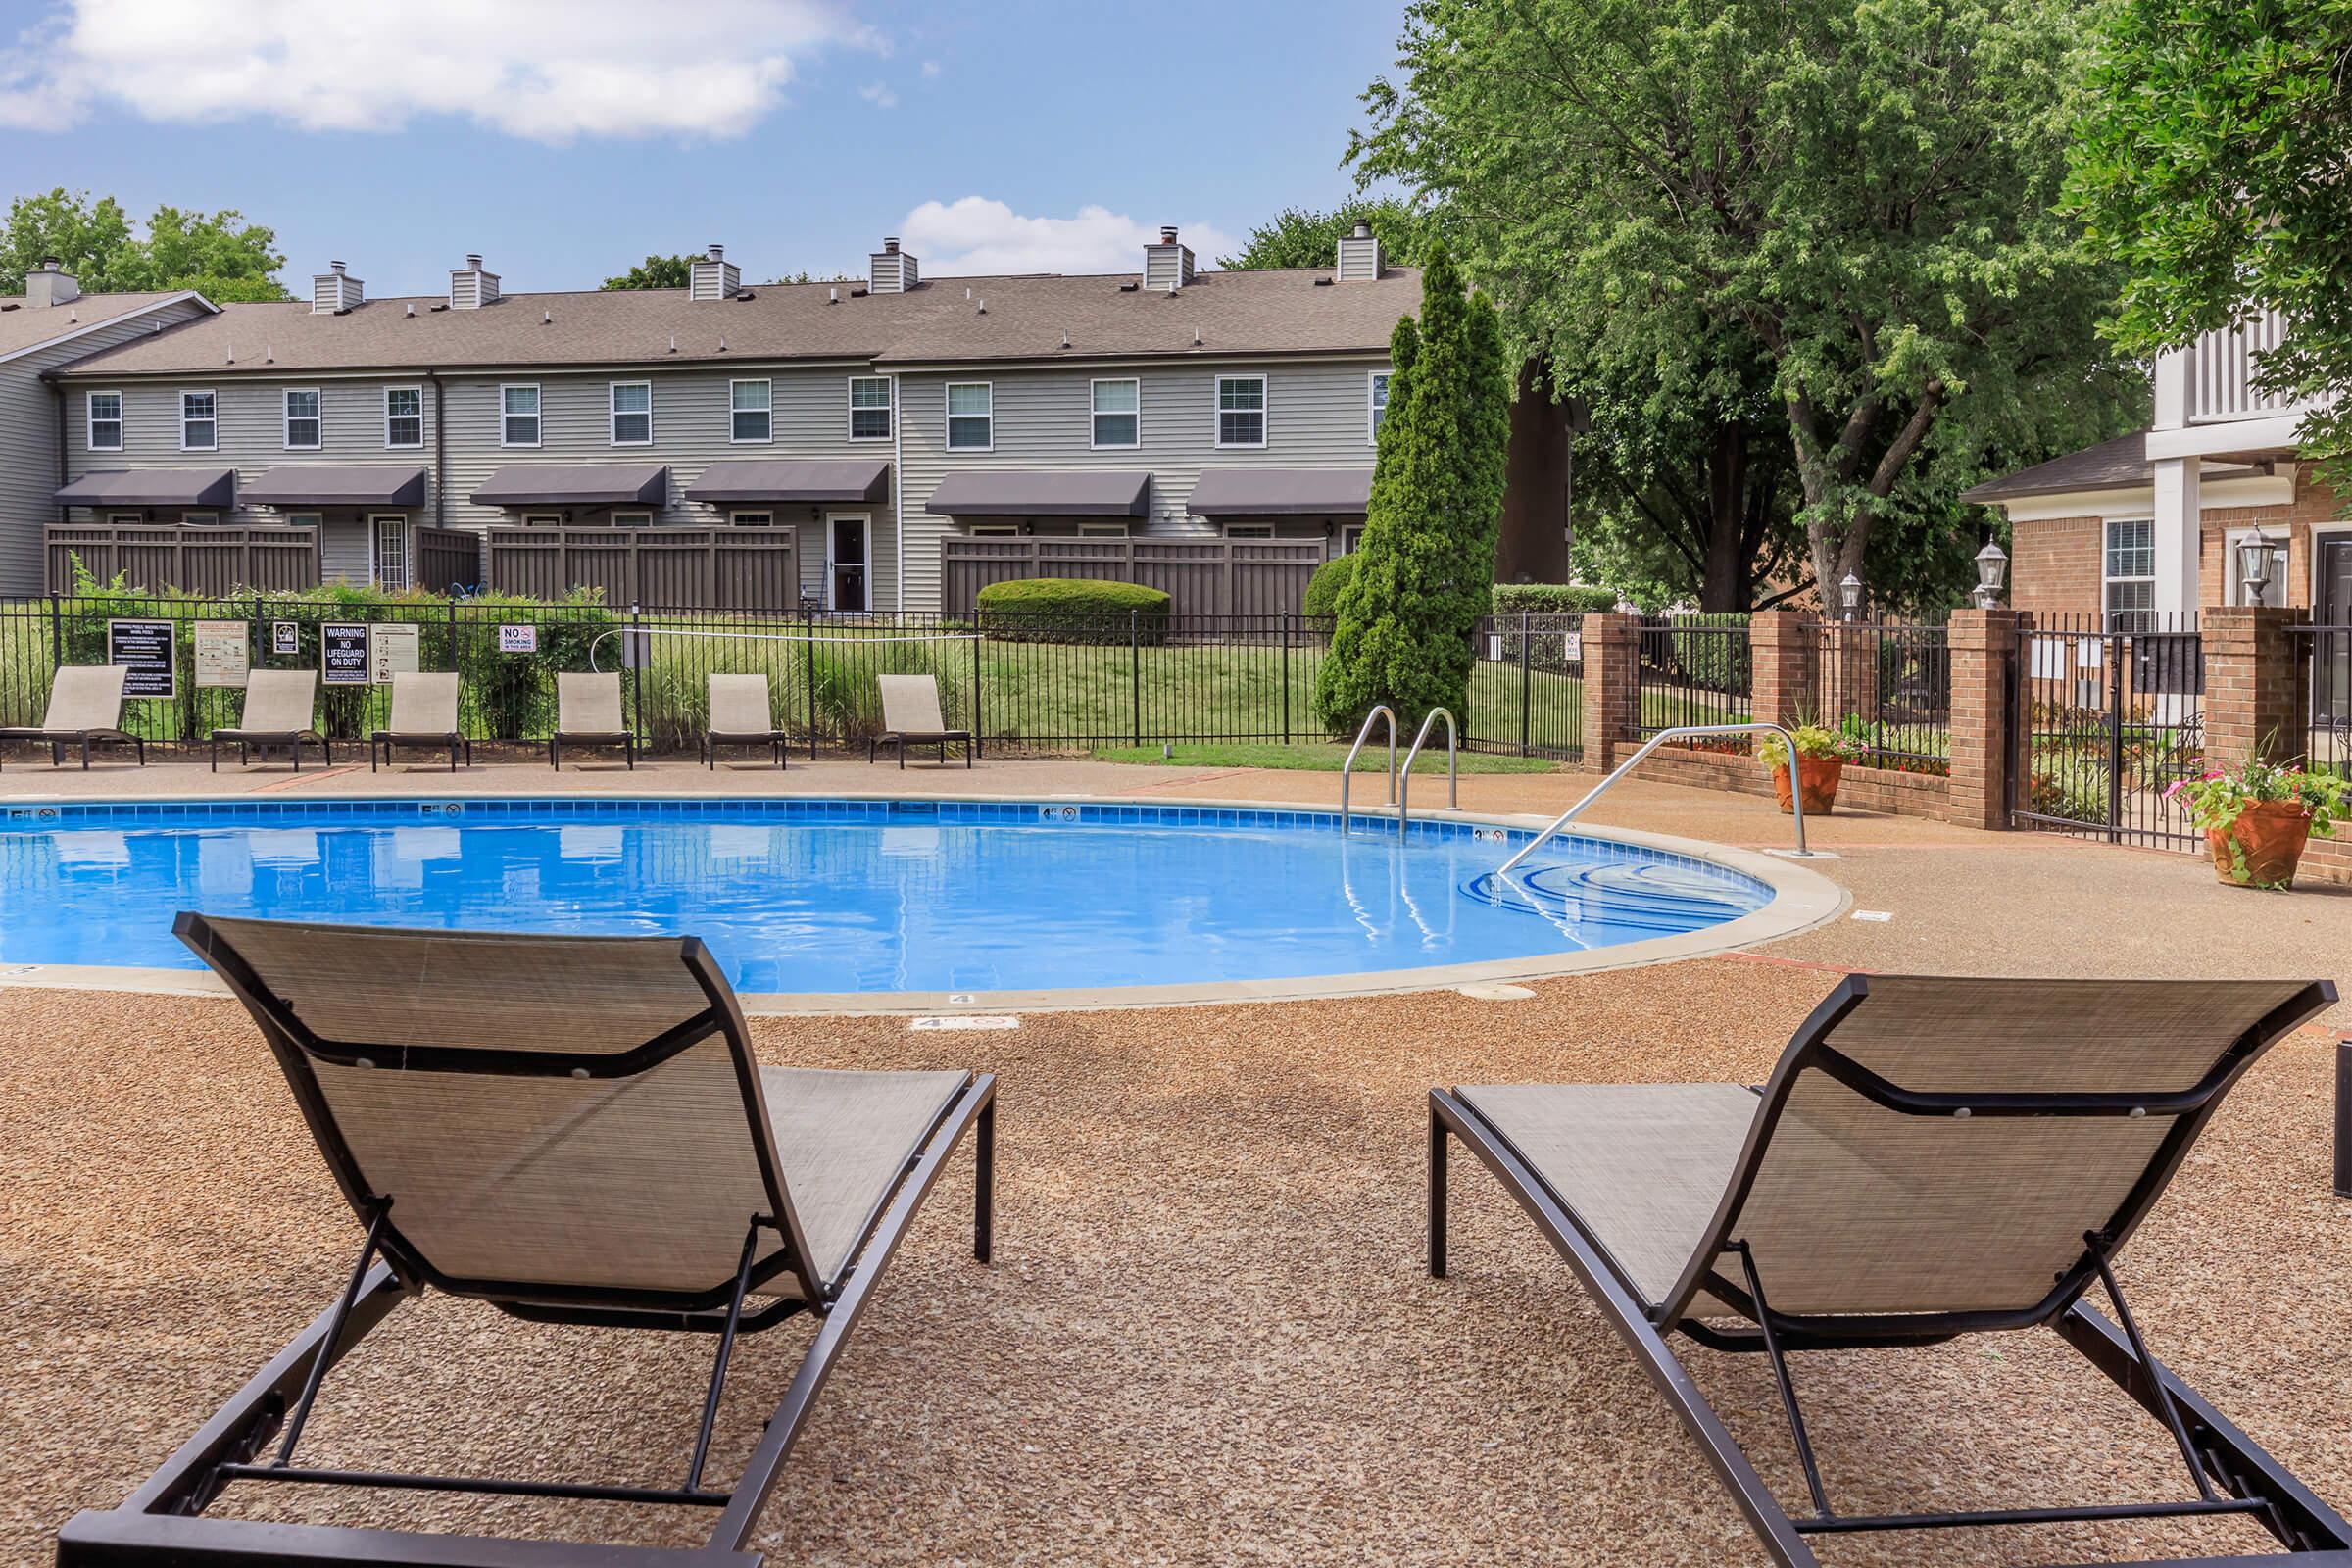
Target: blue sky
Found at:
566, 140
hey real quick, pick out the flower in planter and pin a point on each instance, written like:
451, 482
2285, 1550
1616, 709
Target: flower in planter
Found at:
2219, 798
1811, 741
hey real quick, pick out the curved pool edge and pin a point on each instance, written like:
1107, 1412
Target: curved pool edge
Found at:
1802, 899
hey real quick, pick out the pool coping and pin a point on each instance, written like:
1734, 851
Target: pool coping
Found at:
1802, 899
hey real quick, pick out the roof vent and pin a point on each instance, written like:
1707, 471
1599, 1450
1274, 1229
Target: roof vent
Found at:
1359, 255
894, 270
1168, 264
334, 290
832, 296
711, 277
470, 286
50, 284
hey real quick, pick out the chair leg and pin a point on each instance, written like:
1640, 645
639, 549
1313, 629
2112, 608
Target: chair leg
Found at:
555, 755
216, 740
85, 753
326, 750
1436, 1196
984, 1182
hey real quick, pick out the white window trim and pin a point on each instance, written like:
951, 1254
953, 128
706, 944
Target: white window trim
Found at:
375, 567
865, 523
537, 415
285, 419
124, 520
736, 515
1249, 530
1351, 538
543, 519
89, 422
612, 413
214, 422
946, 430
1091, 414
993, 530
2106, 580
1103, 530
629, 517
416, 445
1264, 410
768, 439
200, 519
2231, 538
1373, 408
849, 393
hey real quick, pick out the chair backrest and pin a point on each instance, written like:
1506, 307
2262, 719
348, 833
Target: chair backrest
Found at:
910, 704
1941, 1146
278, 702
549, 1117
423, 703
87, 697
589, 704
739, 706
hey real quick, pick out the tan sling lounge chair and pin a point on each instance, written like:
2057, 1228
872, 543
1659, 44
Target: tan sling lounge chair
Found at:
910, 716
424, 712
572, 1130
588, 713
1931, 1158
277, 712
85, 705
739, 716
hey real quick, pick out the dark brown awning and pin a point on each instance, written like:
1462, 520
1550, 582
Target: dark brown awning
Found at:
153, 487
794, 479
1037, 493
322, 485
575, 484
1281, 492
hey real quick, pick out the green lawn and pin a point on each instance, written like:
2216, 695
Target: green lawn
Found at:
1317, 759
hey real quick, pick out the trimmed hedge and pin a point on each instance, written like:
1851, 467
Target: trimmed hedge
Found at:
1072, 610
1552, 598
1323, 589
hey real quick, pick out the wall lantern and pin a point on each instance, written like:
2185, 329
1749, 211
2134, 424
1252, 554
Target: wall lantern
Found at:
1992, 567
2256, 554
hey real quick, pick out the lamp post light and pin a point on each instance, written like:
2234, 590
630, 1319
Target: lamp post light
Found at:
1849, 588
2256, 554
1992, 566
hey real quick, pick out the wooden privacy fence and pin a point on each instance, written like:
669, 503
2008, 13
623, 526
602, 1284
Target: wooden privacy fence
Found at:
1200, 576
200, 560
714, 568
447, 557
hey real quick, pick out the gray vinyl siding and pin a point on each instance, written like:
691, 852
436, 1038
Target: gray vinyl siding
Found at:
28, 416
1316, 417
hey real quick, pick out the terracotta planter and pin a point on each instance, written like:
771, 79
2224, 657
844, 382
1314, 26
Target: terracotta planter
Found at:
2270, 836
1816, 776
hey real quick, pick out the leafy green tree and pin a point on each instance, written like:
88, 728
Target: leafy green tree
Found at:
654, 272
219, 254
2210, 161
1300, 236
1865, 192
1423, 571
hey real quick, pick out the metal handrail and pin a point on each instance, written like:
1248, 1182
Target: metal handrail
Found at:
1363, 733
1405, 789
1797, 803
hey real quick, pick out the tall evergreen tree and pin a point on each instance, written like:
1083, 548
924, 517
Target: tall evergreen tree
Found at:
1405, 621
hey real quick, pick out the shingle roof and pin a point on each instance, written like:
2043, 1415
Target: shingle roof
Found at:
22, 328
1231, 313
2111, 465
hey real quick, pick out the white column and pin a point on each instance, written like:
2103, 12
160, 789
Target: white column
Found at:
2179, 507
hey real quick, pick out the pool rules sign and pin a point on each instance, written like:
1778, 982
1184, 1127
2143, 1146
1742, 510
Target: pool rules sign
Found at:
391, 651
144, 649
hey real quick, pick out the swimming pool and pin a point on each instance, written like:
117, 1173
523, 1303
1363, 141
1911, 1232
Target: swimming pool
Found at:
834, 897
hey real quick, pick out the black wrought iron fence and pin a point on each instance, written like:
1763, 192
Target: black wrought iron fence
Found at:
1888, 686
2110, 715
1527, 687
2326, 654
1694, 669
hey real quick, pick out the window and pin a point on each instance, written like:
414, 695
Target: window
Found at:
750, 415
632, 520
754, 520
1380, 403
1102, 530
200, 519
2131, 575
869, 408
106, 421
302, 417
1351, 538
1249, 530
1241, 410
403, 416
971, 424
518, 416
543, 519
632, 414
1117, 413
2273, 585
995, 530
199, 422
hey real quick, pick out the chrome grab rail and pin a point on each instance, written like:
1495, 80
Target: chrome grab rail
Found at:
1404, 788
1795, 801
1363, 733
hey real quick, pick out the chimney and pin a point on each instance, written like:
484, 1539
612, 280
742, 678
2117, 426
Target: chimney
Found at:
713, 277
50, 284
894, 270
1167, 266
1359, 256
470, 286
334, 290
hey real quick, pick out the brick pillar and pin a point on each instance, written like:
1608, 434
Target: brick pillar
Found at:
1780, 646
2254, 697
1849, 673
1612, 688
1982, 644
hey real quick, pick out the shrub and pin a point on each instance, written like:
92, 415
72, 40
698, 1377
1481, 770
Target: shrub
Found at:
1072, 610
1552, 598
1323, 589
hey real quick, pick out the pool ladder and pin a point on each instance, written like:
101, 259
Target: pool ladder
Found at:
1402, 797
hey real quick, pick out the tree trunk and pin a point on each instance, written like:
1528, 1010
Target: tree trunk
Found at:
1724, 578
1533, 543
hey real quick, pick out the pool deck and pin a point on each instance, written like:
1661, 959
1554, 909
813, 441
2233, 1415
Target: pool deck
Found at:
1208, 1337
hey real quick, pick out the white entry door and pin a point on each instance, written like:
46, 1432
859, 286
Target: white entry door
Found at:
847, 563
388, 539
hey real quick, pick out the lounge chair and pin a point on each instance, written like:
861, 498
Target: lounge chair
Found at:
588, 713
739, 716
85, 706
910, 716
1931, 1158
572, 1130
277, 712
424, 712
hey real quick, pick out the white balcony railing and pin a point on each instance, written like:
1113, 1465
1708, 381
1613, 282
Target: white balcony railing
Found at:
2221, 371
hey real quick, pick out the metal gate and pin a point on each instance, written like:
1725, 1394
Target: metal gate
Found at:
2110, 717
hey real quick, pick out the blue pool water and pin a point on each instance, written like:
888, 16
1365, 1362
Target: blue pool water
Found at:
841, 895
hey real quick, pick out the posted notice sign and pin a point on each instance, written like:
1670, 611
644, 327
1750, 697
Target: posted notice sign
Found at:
285, 637
223, 653
144, 647
391, 651
522, 639
343, 652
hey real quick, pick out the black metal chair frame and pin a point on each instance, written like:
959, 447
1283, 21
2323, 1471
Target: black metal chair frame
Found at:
2232, 1473
163, 1522
563, 738
384, 739
60, 739
248, 739
943, 739
775, 740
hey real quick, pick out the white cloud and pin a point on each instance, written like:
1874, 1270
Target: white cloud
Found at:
977, 235
930, 70
879, 95
547, 69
